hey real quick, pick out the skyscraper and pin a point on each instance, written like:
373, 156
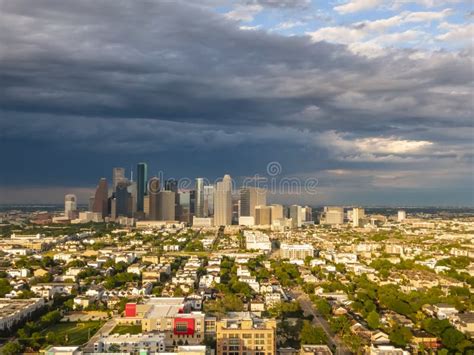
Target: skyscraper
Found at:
118, 175
208, 200
402, 215
250, 197
101, 198
132, 190
223, 202
333, 215
153, 190
122, 199
277, 212
184, 207
172, 185
70, 206
295, 215
263, 215
307, 214
142, 171
357, 214
199, 198
166, 206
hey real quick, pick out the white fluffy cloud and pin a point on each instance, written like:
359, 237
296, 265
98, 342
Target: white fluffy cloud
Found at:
369, 38
457, 32
357, 5
243, 12
371, 148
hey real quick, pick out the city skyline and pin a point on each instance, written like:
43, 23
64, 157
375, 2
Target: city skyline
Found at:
372, 99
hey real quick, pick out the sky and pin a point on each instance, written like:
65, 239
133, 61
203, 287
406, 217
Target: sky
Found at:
372, 99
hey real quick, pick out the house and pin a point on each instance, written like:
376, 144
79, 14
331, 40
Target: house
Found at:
257, 305
424, 340
206, 281
387, 350
272, 299
379, 338
15, 273
464, 322
360, 330
83, 302
62, 350
444, 310
40, 273
339, 311
135, 269
48, 290
95, 291
315, 350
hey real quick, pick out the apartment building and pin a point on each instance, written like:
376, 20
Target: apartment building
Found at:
243, 333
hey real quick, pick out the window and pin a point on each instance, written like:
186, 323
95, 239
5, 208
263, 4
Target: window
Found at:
181, 327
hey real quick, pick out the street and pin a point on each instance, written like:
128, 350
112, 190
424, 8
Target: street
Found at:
318, 320
105, 330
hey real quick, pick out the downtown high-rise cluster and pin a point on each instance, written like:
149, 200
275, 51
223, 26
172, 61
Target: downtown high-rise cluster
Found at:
206, 204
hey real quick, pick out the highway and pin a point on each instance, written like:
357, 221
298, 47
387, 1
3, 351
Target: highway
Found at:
319, 320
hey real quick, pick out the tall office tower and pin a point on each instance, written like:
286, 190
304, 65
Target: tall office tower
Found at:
70, 206
184, 207
153, 190
277, 212
122, 200
132, 190
118, 175
209, 200
166, 206
223, 202
251, 197
295, 215
333, 215
142, 172
146, 206
199, 198
263, 215
101, 198
402, 215
112, 203
91, 203
172, 185
307, 214
235, 208
357, 214
192, 202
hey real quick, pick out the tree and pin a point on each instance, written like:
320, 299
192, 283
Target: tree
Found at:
373, 320
452, 338
4, 287
50, 318
323, 307
312, 335
11, 348
400, 336
339, 325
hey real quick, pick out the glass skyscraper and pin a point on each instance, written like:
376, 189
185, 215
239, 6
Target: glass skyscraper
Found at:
142, 179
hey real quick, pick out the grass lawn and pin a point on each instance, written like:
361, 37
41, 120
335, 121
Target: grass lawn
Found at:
127, 329
75, 333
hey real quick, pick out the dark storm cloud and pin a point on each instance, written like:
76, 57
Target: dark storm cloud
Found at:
147, 78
